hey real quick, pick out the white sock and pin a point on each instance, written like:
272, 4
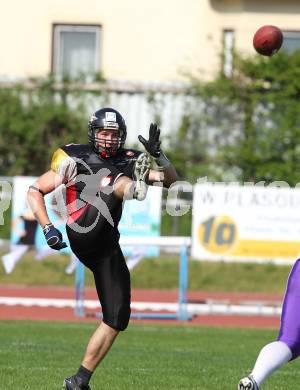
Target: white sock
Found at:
270, 359
11, 259
71, 267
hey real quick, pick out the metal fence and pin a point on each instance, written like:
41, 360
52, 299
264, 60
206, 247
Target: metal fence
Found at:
142, 104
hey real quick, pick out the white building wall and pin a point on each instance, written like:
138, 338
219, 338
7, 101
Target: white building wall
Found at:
143, 41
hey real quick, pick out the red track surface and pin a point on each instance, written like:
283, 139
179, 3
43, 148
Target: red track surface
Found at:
19, 312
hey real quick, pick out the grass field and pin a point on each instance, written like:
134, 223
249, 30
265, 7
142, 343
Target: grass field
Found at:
38, 355
160, 273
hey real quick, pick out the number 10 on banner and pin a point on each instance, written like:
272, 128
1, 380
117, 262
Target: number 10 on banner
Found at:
218, 234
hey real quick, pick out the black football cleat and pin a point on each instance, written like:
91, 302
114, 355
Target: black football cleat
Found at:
72, 383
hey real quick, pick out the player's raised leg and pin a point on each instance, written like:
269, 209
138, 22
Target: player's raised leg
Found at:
137, 188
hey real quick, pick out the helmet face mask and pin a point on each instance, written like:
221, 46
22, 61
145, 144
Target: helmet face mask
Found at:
108, 140
101, 128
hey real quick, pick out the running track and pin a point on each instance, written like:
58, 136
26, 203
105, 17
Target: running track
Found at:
20, 312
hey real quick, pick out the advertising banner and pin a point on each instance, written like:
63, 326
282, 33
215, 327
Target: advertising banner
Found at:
142, 219
245, 222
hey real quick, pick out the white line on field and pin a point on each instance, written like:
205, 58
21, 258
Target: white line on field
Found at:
193, 308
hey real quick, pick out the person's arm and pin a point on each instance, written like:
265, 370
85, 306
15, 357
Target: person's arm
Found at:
166, 177
165, 173
35, 196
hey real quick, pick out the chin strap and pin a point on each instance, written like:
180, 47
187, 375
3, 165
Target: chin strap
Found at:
103, 154
106, 154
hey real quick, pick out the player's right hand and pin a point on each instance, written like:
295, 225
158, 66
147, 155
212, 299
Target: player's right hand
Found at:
53, 237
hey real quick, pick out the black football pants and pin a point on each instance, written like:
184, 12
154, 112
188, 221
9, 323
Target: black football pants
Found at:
112, 277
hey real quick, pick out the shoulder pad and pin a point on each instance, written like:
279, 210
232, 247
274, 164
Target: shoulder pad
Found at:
59, 156
76, 150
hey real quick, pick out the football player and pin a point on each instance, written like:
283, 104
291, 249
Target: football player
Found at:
287, 346
98, 177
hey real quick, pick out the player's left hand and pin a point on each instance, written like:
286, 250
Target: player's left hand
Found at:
152, 145
53, 237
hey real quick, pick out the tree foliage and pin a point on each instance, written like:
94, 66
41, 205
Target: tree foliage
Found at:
244, 128
35, 120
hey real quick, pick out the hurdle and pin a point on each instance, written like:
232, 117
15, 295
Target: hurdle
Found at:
180, 243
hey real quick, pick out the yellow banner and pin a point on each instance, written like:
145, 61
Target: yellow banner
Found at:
269, 249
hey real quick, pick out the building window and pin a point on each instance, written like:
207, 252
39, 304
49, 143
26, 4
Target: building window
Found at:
291, 41
228, 47
76, 50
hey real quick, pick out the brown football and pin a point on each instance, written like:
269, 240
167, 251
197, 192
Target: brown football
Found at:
267, 40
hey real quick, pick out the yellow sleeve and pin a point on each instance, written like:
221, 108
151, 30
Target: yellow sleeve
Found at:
63, 165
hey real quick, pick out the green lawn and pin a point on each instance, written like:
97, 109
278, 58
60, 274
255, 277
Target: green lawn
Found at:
37, 356
161, 273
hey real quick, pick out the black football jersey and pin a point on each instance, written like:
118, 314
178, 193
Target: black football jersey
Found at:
89, 179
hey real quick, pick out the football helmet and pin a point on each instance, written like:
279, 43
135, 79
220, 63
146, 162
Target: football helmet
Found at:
111, 120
